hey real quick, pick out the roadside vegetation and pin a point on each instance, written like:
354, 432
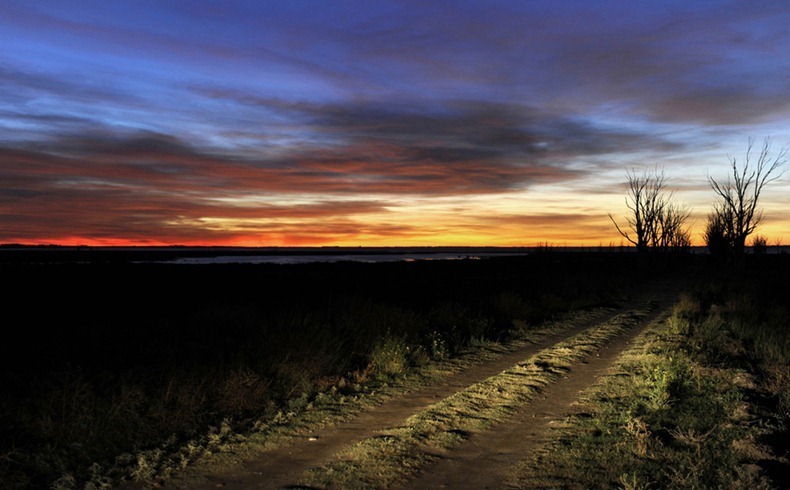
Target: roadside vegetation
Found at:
702, 400
129, 371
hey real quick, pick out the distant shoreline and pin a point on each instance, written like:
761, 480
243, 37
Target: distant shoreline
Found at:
282, 255
19, 254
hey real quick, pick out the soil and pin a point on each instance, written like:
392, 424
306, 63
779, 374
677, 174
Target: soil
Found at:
490, 453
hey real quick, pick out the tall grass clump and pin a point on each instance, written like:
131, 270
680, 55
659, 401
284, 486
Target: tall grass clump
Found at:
390, 357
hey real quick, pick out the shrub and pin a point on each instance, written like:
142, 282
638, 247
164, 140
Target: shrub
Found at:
390, 357
759, 245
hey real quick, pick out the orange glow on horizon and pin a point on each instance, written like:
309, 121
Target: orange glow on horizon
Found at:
447, 240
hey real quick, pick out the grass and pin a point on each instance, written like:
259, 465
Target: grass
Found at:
698, 402
336, 405
395, 454
113, 381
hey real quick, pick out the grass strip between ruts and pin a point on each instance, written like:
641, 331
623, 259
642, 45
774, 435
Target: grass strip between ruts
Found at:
397, 453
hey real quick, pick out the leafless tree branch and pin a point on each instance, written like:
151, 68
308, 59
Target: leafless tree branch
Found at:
736, 215
656, 223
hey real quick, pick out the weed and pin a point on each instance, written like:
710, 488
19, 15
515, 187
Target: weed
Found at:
437, 346
640, 432
480, 329
243, 390
630, 481
689, 436
146, 466
390, 357
65, 482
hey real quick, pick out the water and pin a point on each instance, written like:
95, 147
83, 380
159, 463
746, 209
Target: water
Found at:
307, 259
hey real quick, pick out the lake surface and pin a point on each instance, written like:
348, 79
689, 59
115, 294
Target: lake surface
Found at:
307, 259
246, 255
284, 255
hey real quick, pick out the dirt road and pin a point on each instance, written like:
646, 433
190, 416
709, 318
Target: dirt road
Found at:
483, 459
492, 453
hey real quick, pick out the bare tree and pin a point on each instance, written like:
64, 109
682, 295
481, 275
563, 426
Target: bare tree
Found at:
735, 215
655, 222
674, 235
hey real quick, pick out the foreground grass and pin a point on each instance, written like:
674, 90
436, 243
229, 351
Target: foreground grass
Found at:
108, 380
397, 453
687, 407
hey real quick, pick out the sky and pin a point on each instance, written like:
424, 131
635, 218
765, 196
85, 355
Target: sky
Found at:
378, 123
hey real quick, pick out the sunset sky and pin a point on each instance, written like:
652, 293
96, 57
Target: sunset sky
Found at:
276, 123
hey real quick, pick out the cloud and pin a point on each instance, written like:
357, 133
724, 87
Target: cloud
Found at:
570, 226
453, 131
682, 63
26, 86
318, 120
142, 188
723, 106
356, 155
686, 64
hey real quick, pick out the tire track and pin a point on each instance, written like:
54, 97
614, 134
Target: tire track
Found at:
284, 466
396, 454
493, 453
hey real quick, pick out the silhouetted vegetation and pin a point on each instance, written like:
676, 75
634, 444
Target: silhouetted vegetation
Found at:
759, 244
657, 223
736, 215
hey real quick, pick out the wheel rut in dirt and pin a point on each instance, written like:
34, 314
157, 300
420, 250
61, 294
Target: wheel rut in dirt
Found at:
493, 453
284, 466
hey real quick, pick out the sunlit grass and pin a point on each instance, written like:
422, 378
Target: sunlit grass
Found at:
678, 411
398, 452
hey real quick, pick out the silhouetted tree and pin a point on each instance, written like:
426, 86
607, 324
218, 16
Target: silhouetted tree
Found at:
673, 235
656, 223
735, 216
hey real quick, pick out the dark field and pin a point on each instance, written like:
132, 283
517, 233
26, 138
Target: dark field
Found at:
104, 359
121, 316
